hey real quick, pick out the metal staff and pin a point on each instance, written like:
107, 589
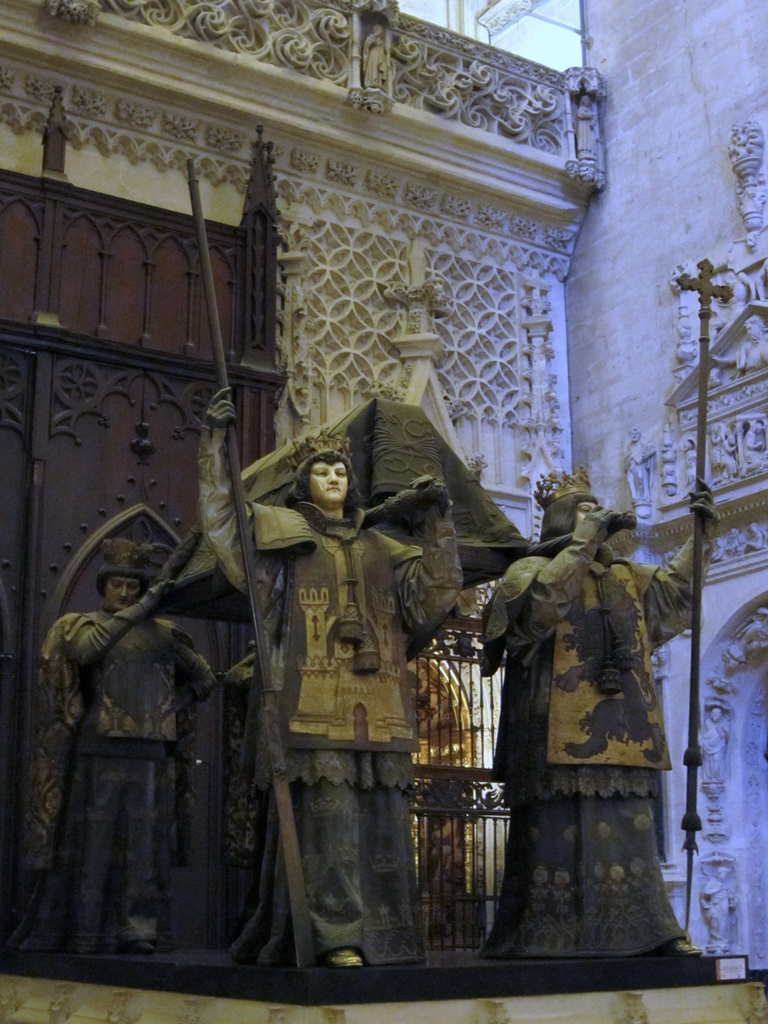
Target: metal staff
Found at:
691, 823
297, 893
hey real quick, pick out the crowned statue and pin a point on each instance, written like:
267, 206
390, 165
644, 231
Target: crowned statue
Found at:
581, 738
339, 599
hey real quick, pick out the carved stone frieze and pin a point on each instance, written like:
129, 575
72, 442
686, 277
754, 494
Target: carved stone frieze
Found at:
455, 206
407, 62
304, 161
39, 87
524, 228
223, 139
421, 196
134, 114
115, 123
90, 102
380, 184
179, 126
740, 541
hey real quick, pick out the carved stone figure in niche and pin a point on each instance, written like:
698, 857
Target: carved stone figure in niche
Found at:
749, 640
718, 904
111, 775
731, 545
581, 734
753, 443
376, 61
639, 462
715, 736
755, 538
338, 600
723, 452
586, 129
689, 455
687, 346
753, 354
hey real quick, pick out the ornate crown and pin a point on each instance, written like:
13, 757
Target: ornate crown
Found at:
317, 444
554, 485
122, 553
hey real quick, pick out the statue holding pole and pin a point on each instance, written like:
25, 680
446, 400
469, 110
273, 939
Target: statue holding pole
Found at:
691, 823
581, 736
331, 719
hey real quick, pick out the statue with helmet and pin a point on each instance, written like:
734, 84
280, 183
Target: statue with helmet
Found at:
111, 782
581, 738
339, 598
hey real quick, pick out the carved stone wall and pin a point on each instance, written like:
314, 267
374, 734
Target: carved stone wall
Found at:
350, 243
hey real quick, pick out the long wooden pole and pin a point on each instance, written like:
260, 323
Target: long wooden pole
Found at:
691, 823
297, 893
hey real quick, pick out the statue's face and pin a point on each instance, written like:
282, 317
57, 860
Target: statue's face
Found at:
120, 592
328, 486
583, 508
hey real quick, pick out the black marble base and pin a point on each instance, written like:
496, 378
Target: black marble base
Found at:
445, 976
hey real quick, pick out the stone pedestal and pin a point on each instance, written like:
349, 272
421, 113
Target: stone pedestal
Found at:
207, 988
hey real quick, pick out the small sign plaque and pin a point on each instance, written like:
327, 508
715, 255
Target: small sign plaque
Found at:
731, 968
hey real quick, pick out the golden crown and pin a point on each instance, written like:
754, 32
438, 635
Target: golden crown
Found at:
317, 444
554, 485
123, 553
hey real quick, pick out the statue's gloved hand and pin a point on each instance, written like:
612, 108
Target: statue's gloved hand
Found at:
702, 502
221, 412
412, 501
431, 492
151, 598
604, 522
622, 521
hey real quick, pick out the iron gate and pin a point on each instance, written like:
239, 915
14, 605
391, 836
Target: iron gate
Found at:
459, 821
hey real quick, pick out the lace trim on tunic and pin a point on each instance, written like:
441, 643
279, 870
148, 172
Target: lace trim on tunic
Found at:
531, 779
586, 780
362, 769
